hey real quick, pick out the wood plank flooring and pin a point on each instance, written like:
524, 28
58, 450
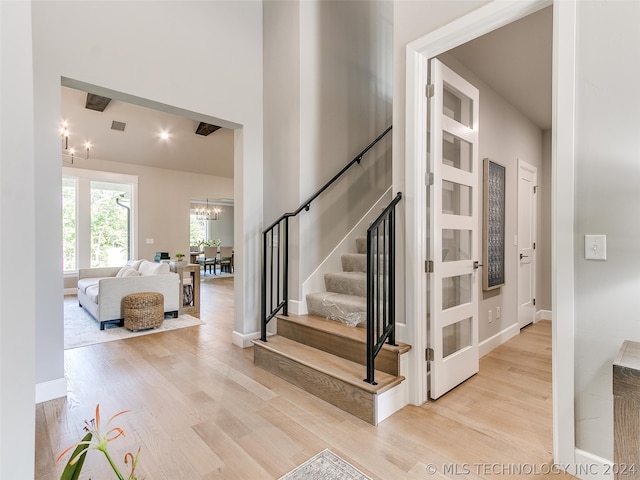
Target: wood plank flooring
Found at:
200, 409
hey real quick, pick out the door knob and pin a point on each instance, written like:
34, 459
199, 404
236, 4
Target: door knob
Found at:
476, 265
523, 256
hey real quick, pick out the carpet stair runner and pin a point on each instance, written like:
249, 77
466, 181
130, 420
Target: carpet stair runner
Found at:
325, 355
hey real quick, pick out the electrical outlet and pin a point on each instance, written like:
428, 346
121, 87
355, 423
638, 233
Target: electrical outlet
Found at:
490, 316
497, 313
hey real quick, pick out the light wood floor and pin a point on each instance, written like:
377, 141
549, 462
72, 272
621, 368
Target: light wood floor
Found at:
199, 409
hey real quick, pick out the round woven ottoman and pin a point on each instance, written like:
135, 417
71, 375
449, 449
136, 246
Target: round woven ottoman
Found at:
143, 310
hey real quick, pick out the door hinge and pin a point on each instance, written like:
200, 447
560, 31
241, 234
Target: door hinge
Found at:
428, 266
535, 189
429, 90
428, 179
534, 302
534, 245
428, 354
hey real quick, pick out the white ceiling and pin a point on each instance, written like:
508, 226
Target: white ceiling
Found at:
515, 61
140, 142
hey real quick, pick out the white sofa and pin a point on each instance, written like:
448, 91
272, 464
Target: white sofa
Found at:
101, 290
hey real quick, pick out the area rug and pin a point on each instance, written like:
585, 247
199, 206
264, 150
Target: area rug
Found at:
80, 328
209, 276
325, 466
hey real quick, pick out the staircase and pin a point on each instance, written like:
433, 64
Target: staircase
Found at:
345, 299
325, 355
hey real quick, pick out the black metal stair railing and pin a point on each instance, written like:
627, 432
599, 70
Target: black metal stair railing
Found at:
275, 256
381, 282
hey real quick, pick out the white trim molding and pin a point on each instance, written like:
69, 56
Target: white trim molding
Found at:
498, 339
544, 315
591, 467
51, 390
243, 340
479, 22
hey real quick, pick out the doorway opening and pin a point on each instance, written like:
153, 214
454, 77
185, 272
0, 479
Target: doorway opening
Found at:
481, 21
170, 155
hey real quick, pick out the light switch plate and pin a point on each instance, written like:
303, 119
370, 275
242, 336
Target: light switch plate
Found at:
595, 247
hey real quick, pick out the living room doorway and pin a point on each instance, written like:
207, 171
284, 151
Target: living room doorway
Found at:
176, 154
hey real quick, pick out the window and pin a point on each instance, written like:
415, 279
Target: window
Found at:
110, 228
98, 218
69, 214
197, 232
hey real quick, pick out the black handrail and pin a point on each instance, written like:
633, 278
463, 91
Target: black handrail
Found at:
275, 244
381, 282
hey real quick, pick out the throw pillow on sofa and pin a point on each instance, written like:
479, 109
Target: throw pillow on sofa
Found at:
153, 268
127, 271
135, 264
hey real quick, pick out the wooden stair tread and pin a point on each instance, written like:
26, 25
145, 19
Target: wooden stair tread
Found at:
339, 329
337, 367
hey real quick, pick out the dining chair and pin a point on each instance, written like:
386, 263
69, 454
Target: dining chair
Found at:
226, 259
210, 259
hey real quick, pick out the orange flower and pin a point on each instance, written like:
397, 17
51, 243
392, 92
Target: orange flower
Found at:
96, 438
99, 439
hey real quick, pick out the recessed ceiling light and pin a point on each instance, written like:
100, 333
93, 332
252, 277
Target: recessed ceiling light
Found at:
164, 135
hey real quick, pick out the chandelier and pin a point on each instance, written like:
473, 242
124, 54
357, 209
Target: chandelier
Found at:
70, 151
207, 213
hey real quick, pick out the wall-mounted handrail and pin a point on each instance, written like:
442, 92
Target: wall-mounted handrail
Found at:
381, 284
307, 204
275, 249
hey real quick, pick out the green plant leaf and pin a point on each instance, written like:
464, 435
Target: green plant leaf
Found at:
72, 472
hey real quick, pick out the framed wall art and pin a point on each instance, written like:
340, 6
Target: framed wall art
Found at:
494, 217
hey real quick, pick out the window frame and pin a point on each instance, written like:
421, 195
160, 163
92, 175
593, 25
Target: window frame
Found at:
83, 178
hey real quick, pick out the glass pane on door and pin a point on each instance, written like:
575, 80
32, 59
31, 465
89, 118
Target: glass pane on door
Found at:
456, 152
456, 291
456, 245
456, 199
457, 106
456, 336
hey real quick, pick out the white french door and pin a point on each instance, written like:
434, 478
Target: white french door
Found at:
453, 238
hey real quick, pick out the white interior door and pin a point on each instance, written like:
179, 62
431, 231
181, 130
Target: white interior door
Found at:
527, 182
453, 239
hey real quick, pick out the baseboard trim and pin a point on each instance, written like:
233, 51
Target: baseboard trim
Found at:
543, 315
243, 340
298, 307
498, 339
70, 291
592, 467
389, 402
51, 390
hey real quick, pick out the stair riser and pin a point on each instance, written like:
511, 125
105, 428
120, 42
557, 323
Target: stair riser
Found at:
386, 361
357, 262
354, 262
324, 305
354, 285
361, 244
342, 395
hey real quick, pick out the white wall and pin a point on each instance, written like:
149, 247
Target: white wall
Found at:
17, 233
164, 205
203, 57
345, 102
329, 95
607, 202
506, 135
222, 229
